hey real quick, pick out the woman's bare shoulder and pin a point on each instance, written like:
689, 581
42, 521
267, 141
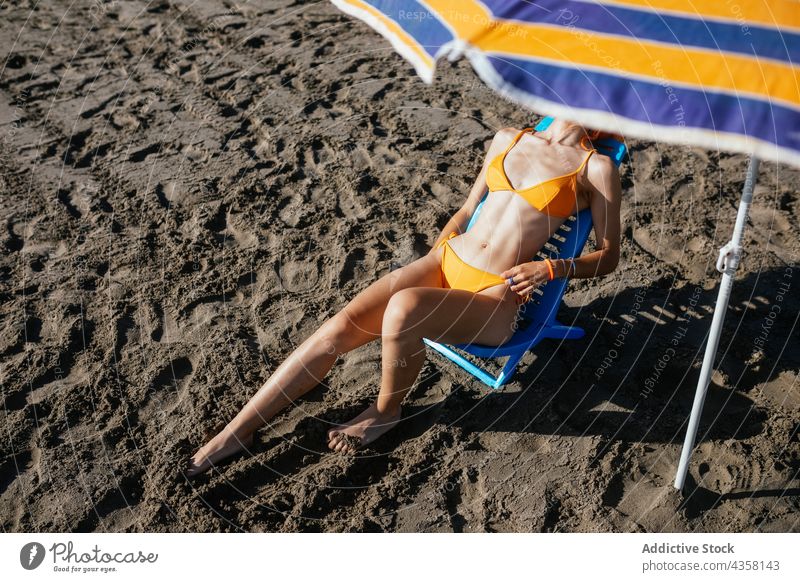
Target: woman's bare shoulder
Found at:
603, 174
502, 139
506, 134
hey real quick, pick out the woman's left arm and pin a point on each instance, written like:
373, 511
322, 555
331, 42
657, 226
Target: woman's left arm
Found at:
605, 205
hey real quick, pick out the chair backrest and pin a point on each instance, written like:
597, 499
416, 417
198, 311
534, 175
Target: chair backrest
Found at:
567, 242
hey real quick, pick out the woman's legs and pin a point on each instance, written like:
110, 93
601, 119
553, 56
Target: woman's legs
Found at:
444, 315
358, 323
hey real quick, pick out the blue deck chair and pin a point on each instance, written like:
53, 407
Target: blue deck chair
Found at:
538, 320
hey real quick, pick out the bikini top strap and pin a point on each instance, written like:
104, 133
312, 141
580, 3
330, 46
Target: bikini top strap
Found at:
586, 159
516, 139
586, 138
519, 135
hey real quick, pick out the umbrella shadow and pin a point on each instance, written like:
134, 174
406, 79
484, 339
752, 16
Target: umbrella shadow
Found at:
633, 376
699, 499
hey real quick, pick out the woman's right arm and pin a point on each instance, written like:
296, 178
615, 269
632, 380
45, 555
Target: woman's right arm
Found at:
460, 219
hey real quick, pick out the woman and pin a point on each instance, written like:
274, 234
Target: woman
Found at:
468, 288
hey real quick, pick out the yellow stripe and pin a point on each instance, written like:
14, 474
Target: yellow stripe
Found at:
771, 13
664, 63
401, 34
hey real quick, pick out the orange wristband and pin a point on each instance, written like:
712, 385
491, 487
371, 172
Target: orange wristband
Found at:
550, 272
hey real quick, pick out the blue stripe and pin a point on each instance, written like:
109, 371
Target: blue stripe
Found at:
417, 21
645, 25
653, 103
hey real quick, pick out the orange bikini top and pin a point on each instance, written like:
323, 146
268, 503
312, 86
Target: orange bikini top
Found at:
554, 197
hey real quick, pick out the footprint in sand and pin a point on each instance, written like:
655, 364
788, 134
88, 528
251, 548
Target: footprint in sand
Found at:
293, 211
236, 226
111, 510
299, 276
167, 391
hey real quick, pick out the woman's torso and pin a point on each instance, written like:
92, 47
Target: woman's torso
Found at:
509, 230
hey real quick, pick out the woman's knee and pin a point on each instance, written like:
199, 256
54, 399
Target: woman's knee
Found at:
342, 333
339, 334
402, 313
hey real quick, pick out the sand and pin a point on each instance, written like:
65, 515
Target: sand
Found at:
190, 188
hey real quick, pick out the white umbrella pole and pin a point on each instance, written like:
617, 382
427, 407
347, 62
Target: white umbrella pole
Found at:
727, 262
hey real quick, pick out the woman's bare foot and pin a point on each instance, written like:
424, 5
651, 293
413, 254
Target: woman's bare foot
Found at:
225, 444
362, 430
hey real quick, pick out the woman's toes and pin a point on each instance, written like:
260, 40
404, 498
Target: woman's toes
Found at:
351, 443
332, 440
336, 442
193, 469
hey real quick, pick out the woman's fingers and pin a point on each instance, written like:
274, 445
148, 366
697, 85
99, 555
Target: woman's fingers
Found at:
509, 273
524, 284
527, 284
527, 290
520, 281
525, 274
521, 287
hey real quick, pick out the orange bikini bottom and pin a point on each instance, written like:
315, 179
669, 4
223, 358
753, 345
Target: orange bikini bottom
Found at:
456, 274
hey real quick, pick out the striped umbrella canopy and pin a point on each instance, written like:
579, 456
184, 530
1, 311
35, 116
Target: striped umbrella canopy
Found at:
718, 74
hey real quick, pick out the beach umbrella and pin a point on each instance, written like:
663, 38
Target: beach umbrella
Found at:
718, 75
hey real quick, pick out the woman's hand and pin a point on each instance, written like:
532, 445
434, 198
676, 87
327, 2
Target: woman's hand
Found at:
526, 277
